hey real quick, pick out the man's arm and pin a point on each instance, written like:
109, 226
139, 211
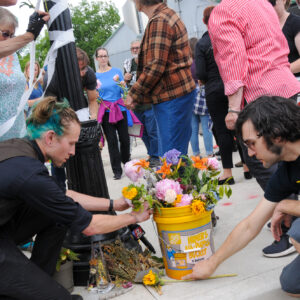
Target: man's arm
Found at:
93, 104
229, 52
8, 2
91, 203
155, 66
241, 235
105, 223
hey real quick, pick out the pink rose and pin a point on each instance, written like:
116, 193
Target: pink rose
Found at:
134, 173
116, 78
213, 163
164, 185
99, 84
185, 200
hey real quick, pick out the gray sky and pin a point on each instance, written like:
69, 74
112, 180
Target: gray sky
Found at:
23, 13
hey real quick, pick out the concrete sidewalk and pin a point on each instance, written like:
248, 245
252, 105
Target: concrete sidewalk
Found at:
258, 276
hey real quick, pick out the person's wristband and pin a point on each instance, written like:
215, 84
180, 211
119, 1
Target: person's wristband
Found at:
233, 111
111, 205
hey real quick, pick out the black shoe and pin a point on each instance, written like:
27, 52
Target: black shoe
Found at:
229, 180
247, 175
279, 249
239, 164
117, 176
76, 297
218, 153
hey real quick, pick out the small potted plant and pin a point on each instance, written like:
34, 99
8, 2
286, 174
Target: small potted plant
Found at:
64, 268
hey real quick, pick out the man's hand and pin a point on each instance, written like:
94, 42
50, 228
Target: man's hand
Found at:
127, 77
277, 219
202, 270
230, 120
129, 102
142, 215
120, 204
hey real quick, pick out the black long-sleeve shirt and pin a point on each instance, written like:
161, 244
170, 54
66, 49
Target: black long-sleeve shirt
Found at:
26, 180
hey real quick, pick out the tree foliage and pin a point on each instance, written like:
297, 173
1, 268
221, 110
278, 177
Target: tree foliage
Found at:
41, 50
93, 23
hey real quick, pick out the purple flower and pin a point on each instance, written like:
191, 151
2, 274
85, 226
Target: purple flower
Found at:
172, 156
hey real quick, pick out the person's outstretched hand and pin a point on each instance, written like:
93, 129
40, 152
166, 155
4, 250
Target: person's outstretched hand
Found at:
142, 215
202, 270
36, 22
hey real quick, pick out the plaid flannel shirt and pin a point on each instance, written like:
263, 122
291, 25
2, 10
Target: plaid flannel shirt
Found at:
200, 107
164, 62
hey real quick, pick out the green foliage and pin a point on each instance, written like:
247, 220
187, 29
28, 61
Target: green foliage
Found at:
65, 255
27, 3
93, 23
42, 48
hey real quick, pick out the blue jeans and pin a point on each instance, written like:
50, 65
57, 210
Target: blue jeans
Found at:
174, 123
207, 134
150, 134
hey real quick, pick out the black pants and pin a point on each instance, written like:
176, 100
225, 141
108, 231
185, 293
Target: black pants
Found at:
217, 104
110, 130
26, 279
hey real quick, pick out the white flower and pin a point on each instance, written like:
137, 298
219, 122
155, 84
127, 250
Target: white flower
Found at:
170, 196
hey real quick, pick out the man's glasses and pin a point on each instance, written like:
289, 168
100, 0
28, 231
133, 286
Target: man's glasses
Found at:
102, 56
6, 34
251, 144
134, 48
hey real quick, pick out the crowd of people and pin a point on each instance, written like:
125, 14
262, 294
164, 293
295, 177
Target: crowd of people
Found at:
238, 81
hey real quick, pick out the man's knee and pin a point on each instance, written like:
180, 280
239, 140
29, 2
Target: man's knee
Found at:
290, 279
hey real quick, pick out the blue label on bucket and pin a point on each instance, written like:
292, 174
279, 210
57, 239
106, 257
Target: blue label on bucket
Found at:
182, 249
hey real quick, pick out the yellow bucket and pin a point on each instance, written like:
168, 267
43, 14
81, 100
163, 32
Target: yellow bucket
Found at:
184, 238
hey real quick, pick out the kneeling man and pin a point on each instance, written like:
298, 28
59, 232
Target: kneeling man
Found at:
270, 128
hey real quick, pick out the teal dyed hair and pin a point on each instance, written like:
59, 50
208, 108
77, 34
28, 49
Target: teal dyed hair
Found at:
49, 114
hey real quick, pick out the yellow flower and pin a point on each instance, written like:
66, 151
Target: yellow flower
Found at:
129, 193
150, 278
177, 200
63, 257
198, 207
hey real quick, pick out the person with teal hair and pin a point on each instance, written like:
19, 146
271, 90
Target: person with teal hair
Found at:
32, 204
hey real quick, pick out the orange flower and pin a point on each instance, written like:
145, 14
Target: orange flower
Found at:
165, 169
199, 163
142, 164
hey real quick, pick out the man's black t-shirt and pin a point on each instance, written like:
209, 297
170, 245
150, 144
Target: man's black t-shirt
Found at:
284, 182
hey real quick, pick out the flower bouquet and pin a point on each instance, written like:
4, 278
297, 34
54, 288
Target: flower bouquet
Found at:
180, 181
183, 192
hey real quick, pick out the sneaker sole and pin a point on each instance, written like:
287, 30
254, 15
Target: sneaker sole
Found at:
284, 253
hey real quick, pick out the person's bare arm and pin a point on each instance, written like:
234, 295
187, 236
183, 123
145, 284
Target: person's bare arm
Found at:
93, 104
295, 66
91, 203
8, 2
10, 46
105, 223
234, 103
241, 235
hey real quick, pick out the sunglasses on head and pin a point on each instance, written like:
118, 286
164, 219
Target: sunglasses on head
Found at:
273, 2
6, 34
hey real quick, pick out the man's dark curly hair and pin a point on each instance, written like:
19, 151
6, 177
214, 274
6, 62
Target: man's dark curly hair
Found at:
150, 2
272, 117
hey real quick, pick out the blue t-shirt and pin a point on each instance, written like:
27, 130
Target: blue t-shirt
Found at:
36, 92
109, 90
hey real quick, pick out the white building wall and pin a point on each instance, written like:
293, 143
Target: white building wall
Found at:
190, 11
